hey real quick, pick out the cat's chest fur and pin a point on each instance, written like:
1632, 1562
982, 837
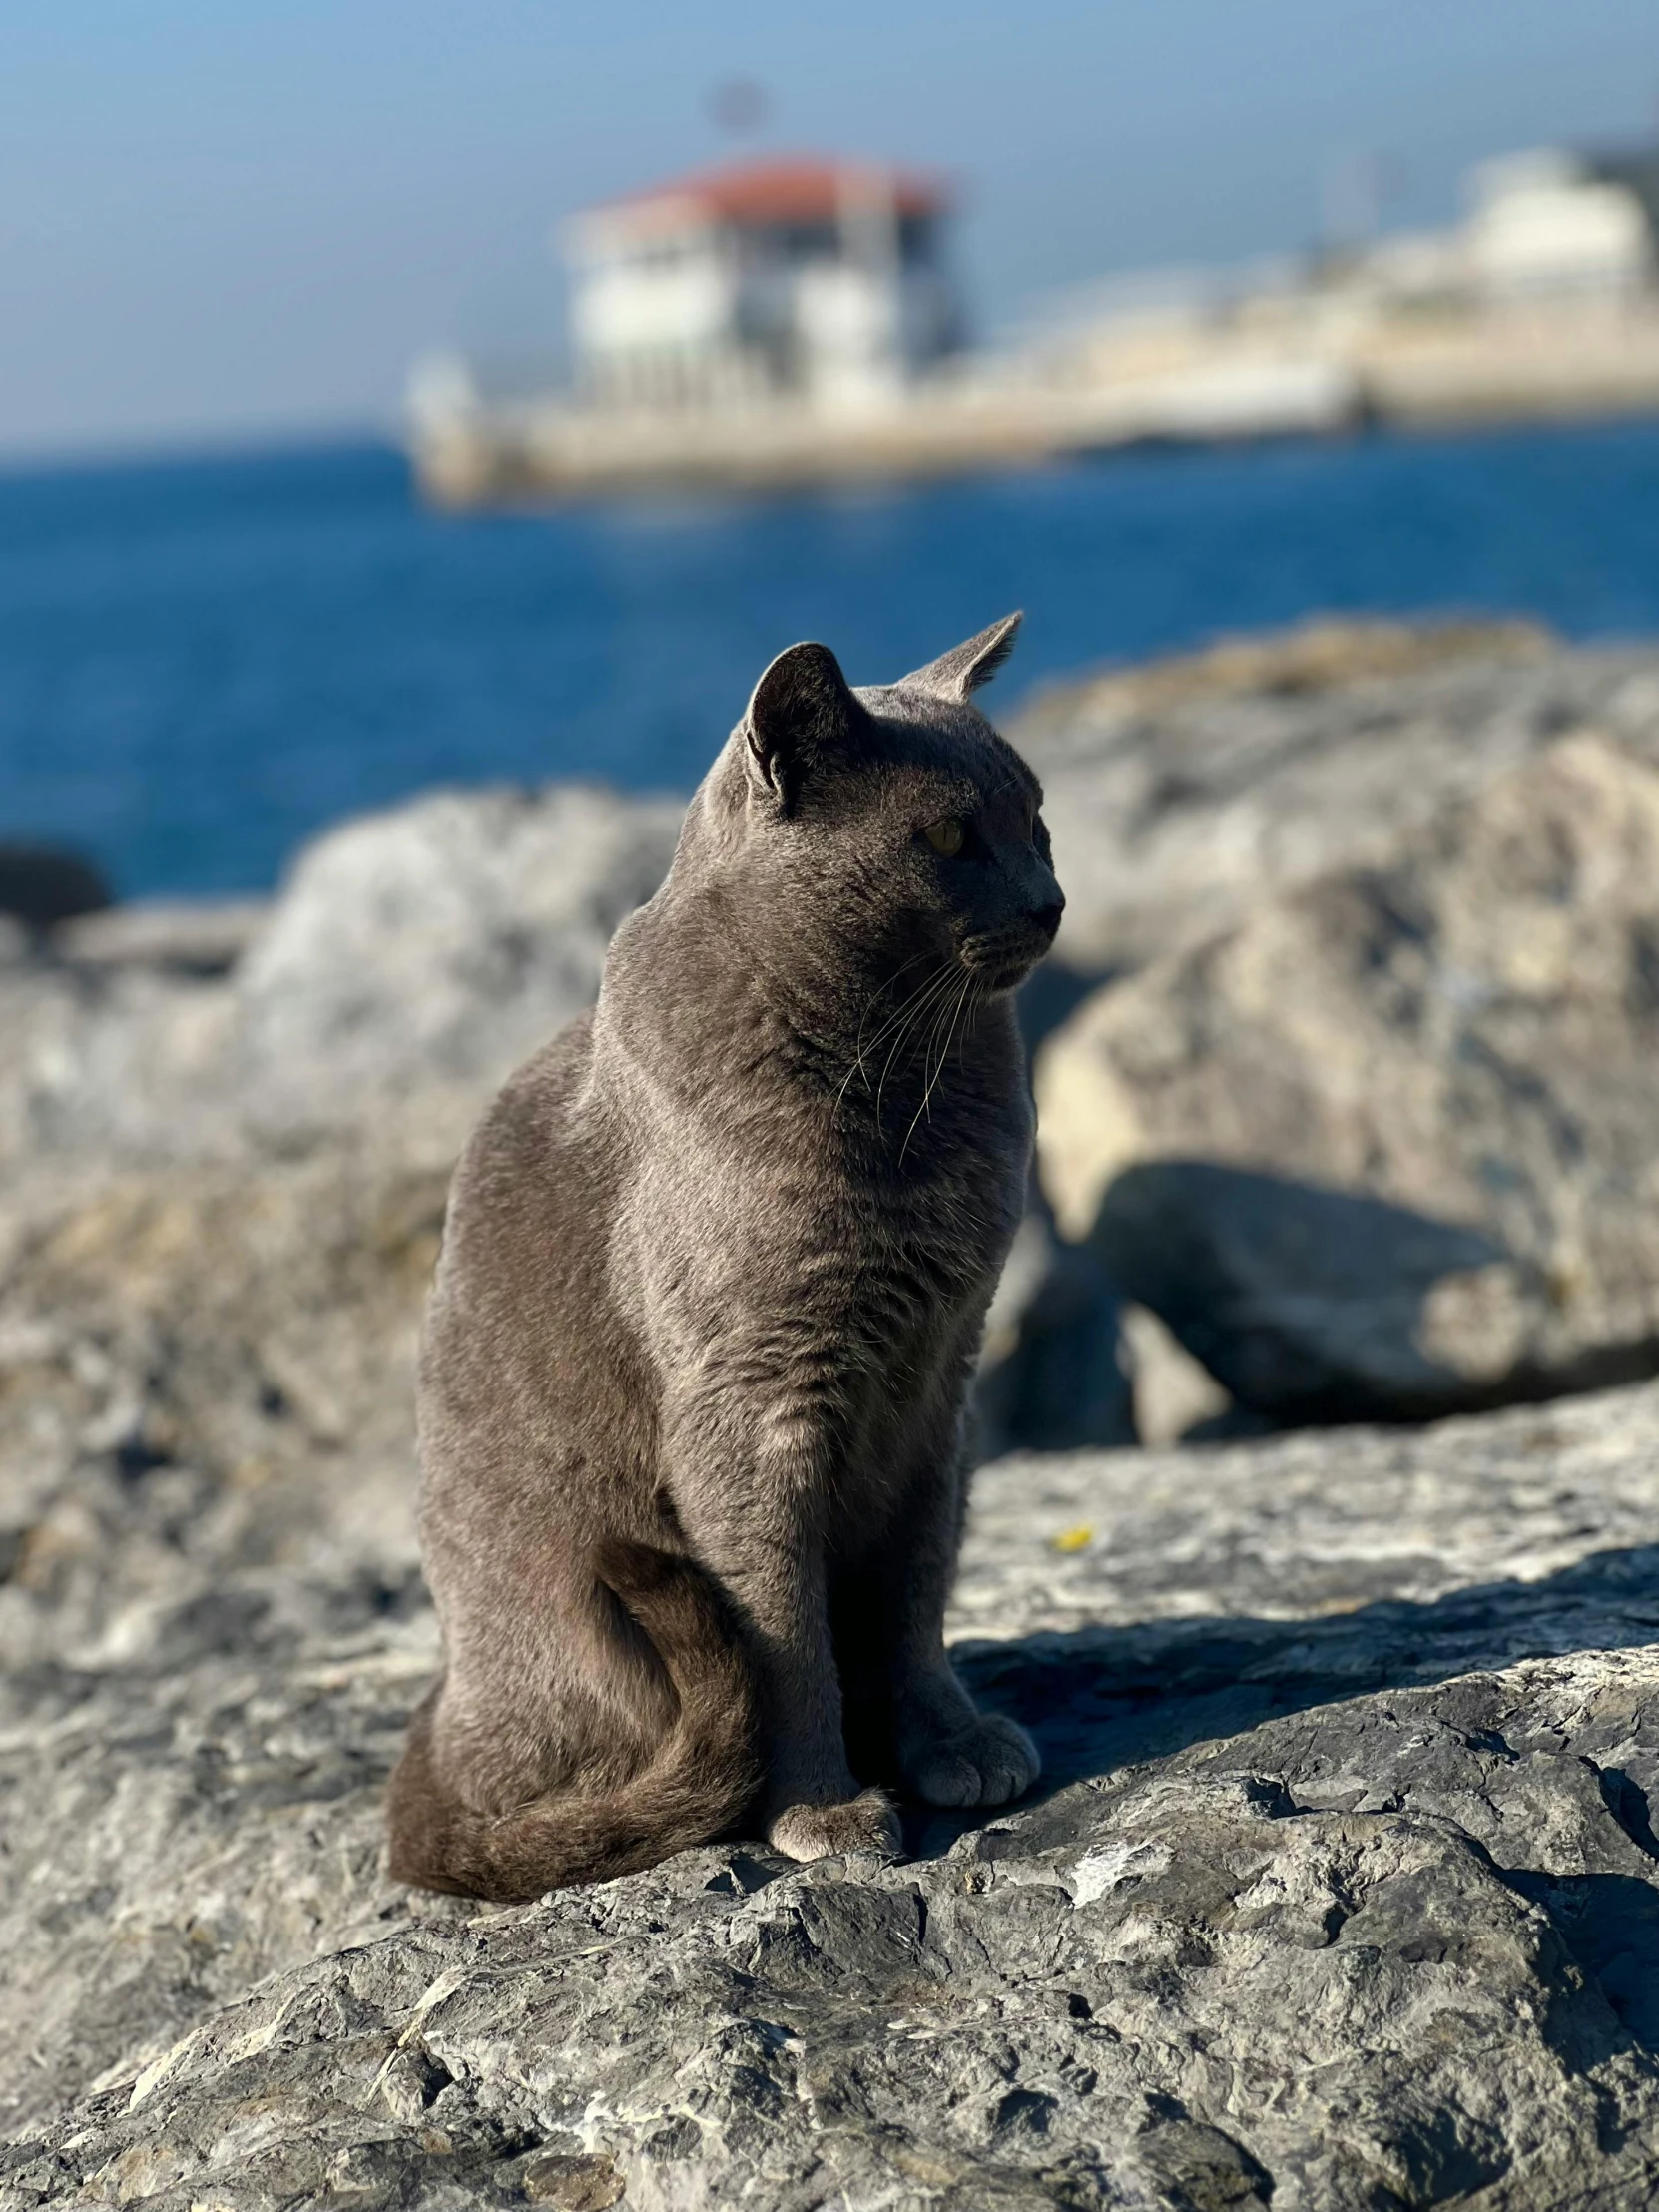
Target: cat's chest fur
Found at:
831, 1244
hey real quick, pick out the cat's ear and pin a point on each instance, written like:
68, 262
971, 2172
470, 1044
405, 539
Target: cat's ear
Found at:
961, 672
801, 715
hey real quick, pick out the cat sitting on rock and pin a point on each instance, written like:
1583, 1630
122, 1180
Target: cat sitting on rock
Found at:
715, 1268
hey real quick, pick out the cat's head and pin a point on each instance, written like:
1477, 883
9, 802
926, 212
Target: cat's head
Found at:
894, 816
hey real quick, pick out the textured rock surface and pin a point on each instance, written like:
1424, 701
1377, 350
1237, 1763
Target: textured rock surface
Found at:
1391, 1145
1181, 792
1343, 1890
202, 1370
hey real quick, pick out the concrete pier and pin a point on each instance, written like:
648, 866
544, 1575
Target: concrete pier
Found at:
1554, 365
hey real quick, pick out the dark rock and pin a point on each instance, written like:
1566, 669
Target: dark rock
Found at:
1052, 1375
41, 887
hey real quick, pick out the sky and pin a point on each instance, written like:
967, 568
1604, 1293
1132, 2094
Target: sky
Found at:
229, 220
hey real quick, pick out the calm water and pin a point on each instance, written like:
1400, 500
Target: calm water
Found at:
202, 663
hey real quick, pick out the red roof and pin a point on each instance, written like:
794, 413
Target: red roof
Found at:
802, 190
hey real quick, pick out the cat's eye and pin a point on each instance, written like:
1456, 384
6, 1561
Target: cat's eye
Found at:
946, 835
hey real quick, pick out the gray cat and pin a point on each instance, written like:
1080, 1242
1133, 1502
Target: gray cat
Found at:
712, 1282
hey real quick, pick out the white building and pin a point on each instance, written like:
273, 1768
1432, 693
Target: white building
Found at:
1546, 223
814, 280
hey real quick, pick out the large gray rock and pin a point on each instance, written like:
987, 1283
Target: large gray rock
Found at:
445, 941
1182, 793
1390, 1145
1343, 1890
414, 958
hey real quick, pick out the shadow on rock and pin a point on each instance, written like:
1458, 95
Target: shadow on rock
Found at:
1314, 1304
1099, 1699
1610, 1924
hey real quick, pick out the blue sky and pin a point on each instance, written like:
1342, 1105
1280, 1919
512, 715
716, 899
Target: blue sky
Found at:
221, 220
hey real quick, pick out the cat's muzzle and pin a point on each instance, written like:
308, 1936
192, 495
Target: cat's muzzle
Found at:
1001, 960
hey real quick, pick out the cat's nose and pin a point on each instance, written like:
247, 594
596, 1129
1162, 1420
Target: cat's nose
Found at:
1048, 919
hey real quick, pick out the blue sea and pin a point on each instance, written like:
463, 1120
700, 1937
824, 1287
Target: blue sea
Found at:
203, 662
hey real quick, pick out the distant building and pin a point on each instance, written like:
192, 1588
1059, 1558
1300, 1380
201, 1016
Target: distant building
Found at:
816, 280
1551, 223
773, 326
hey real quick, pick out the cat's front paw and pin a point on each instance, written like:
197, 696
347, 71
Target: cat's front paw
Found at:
865, 1823
986, 1762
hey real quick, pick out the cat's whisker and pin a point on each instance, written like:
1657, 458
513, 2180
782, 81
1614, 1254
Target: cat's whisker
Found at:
928, 1090
956, 1006
924, 1006
924, 1003
859, 1047
950, 1030
976, 1007
942, 1020
969, 1005
911, 1010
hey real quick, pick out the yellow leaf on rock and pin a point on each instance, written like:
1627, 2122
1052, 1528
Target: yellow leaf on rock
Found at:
1073, 1540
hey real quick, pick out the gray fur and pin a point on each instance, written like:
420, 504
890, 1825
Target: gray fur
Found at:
716, 1269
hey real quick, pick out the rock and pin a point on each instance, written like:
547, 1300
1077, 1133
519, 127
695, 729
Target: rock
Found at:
1051, 1374
41, 887
194, 937
202, 1370
1066, 1365
121, 1064
1388, 1147
411, 961
1173, 1394
1343, 1888
1181, 794
445, 940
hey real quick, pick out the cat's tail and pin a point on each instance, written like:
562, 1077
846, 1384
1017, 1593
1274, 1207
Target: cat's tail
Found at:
700, 1781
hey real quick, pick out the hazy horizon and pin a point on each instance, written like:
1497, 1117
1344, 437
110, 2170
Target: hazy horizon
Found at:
215, 230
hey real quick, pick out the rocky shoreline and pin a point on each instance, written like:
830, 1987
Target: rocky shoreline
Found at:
1341, 1888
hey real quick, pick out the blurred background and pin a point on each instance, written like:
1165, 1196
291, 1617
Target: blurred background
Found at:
399, 396
418, 429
